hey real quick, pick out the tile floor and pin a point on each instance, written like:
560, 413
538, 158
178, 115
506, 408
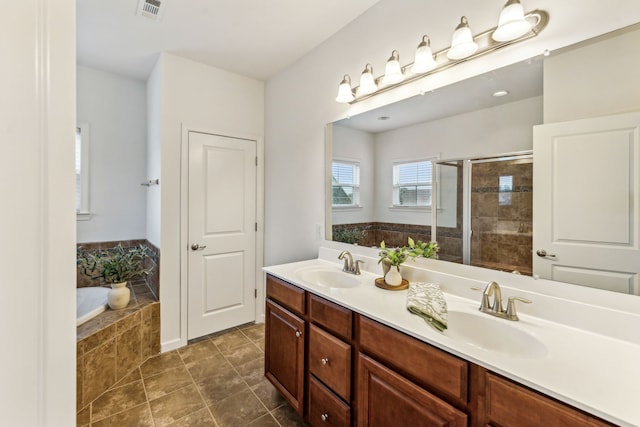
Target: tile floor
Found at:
218, 380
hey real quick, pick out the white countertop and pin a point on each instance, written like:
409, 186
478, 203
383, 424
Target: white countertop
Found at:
589, 370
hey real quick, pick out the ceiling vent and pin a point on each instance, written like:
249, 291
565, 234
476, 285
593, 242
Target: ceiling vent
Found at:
152, 9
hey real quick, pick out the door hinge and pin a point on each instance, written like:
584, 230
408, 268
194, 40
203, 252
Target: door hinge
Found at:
256, 160
256, 226
255, 293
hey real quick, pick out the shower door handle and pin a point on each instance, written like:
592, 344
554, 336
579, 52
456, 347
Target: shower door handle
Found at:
543, 254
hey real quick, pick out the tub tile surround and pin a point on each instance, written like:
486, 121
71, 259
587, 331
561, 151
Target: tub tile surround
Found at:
115, 343
216, 380
591, 335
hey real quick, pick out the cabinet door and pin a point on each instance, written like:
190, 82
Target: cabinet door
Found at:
284, 353
387, 399
510, 404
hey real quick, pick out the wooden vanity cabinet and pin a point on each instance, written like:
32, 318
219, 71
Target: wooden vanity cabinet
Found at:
339, 368
285, 341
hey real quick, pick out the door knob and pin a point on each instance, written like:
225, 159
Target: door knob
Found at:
542, 253
197, 247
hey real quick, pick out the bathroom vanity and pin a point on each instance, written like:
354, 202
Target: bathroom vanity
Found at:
343, 352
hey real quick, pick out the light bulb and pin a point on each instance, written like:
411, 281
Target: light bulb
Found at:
345, 93
367, 81
511, 24
462, 44
393, 71
424, 61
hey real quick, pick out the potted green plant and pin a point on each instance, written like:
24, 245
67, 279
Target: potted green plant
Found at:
391, 260
394, 257
115, 266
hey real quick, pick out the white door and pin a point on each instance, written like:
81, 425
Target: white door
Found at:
585, 202
222, 236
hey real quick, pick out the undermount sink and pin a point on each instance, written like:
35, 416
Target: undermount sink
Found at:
493, 334
328, 277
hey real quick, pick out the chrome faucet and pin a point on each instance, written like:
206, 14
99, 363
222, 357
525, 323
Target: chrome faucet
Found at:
349, 265
495, 308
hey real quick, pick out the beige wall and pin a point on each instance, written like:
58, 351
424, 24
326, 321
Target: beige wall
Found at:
596, 79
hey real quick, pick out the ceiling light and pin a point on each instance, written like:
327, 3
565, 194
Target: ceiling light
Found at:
500, 93
424, 61
367, 81
462, 44
393, 70
512, 23
345, 93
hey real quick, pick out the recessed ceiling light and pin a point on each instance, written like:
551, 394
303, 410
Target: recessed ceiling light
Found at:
384, 118
500, 93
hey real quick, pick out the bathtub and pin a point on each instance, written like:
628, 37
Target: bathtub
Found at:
89, 303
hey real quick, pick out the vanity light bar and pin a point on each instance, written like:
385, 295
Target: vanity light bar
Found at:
485, 42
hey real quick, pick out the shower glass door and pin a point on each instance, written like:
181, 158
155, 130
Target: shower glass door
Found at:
501, 213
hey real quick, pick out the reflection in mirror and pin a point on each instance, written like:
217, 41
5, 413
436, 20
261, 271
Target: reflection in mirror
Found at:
449, 125
465, 122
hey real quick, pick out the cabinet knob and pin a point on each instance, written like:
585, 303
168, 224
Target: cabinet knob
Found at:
298, 334
324, 361
324, 417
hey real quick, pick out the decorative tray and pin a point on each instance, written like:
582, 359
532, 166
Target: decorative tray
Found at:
381, 284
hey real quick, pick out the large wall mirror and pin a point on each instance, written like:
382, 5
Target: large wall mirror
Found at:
457, 165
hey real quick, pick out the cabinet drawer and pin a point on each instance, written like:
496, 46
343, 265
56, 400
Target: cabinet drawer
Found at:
330, 361
424, 364
333, 317
325, 409
286, 294
508, 403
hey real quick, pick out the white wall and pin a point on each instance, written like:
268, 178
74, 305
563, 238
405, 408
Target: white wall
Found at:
37, 221
359, 146
301, 99
115, 108
595, 71
202, 97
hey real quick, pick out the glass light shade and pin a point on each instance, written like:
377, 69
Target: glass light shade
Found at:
393, 70
424, 61
511, 23
367, 81
462, 44
345, 93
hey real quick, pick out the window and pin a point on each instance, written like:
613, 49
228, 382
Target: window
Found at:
82, 171
505, 188
345, 184
412, 183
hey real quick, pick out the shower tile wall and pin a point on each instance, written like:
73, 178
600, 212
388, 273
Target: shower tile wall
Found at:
152, 280
501, 219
